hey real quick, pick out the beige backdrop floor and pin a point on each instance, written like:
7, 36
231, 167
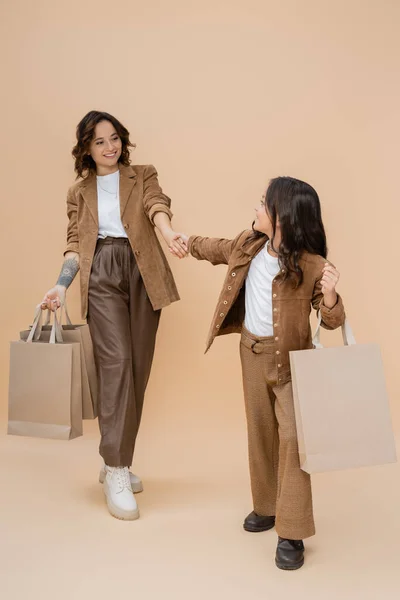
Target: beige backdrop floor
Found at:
59, 542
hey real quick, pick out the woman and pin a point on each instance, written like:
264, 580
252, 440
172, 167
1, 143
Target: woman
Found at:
125, 282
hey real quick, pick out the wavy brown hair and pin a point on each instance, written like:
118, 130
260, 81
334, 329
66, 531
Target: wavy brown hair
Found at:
84, 163
298, 208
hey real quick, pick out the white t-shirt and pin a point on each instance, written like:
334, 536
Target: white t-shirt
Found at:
110, 224
263, 270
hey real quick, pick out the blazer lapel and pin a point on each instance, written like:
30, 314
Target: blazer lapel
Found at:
89, 193
127, 182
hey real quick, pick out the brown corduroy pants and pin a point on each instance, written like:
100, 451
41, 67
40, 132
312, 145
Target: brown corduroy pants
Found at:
279, 487
123, 326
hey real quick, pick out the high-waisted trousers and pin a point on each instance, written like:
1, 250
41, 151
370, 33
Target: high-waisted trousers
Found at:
279, 487
123, 327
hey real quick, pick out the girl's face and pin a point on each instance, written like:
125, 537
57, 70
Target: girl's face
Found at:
263, 221
105, 148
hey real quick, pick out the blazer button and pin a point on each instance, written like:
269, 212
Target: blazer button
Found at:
277, 352
229, 287
137, 252
279, 366
225, 302
217, 326
274, 295
126, 226
234, 274
275, 310
221, 315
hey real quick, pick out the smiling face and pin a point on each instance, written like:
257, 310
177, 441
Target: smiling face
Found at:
105, 148
263, 221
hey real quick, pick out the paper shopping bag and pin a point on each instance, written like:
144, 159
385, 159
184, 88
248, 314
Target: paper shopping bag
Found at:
45, 398
79, 334
341, 406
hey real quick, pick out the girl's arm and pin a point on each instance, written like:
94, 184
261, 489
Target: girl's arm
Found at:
216, 250
327, 300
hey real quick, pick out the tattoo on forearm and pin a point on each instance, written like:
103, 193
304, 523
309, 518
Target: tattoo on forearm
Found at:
68, 272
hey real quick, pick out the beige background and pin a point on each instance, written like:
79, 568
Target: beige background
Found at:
220, 96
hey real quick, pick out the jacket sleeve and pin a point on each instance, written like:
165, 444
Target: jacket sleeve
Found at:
216, 250
154, 200
72, 229
332, 318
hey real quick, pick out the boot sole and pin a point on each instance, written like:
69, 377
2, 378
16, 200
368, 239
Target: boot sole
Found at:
289, 568
257, 529
136, 487
118, 513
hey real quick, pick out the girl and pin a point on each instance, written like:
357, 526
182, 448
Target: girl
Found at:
125, 282
275, 274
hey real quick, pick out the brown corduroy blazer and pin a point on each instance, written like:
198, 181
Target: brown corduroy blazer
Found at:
291, 307
141, 197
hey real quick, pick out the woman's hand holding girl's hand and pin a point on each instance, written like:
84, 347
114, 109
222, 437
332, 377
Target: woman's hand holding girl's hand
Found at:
54, 298
329, 281
177, 243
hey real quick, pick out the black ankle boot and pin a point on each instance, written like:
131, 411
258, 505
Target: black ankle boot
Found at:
289, 554
256, 523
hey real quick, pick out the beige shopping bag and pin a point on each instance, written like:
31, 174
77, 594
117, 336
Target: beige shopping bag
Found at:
45, 398
75, 334
341, 406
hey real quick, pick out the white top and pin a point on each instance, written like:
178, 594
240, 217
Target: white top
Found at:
110, 224
262, 272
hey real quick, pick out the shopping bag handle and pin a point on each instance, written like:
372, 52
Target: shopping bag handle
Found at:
37, 326
63, 307
347, 333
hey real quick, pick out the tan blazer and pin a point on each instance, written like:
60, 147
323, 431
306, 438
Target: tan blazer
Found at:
291, 307
141, 197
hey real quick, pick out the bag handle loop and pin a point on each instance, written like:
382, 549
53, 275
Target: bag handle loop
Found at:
37, 327
347, 333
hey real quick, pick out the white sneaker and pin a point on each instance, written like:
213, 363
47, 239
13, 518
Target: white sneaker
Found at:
136, 482
120, 499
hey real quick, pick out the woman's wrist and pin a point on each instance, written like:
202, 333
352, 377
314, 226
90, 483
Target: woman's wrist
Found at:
163, 223
166, 231
68, 273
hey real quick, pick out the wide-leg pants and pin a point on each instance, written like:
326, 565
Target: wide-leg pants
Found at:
279, 487
123, 326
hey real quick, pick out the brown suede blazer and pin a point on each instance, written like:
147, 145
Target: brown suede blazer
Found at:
141, 197
291, 307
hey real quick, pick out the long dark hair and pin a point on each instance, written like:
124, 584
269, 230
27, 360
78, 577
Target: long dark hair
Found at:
84, 163
298, 208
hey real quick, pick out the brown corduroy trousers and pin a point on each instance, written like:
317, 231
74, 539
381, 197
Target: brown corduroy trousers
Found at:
123, 326
279, 487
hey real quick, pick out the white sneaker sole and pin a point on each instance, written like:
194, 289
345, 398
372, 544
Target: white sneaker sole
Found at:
116, 511
136, 487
